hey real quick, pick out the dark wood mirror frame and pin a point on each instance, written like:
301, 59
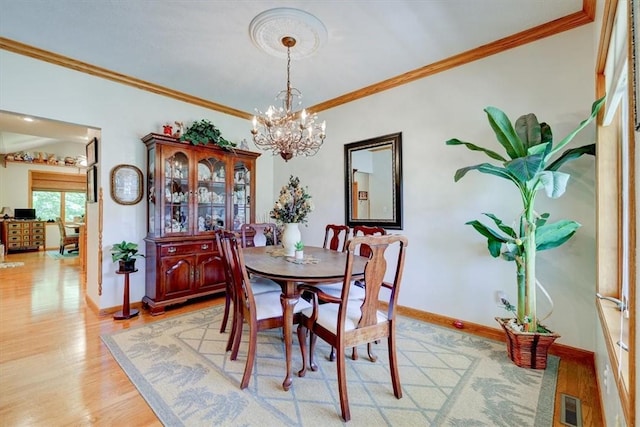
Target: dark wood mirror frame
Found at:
352, 196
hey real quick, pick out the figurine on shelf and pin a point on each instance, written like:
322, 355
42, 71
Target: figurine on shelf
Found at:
167, 129
179, 129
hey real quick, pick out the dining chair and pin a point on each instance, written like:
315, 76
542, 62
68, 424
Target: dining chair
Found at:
66, 238
363, 250
259, 234
344, 323
336, 237
260, 311
259, 284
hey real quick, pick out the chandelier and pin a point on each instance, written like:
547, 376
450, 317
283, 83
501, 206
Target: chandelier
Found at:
284, 131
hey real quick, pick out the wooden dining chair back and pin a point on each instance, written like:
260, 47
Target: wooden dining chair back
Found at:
259, 234
260, 311
229, 298
344, 322
336, 237
367, 230
66, 238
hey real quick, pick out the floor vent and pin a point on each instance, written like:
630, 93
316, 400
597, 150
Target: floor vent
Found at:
570, 414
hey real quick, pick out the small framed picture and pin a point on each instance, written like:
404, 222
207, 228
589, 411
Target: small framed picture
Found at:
92, 187
363, 195
126, 184
92, 152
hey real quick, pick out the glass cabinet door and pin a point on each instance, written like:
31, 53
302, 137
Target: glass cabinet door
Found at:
241, 194
151, 186
210, 195
176, 214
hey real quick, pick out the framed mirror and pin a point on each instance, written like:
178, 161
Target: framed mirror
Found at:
373, 182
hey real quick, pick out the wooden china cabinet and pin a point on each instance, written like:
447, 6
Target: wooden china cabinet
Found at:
191, 191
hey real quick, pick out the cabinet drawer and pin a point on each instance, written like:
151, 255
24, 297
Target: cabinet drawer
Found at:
186, 248
17, 232
38, 232
15, 239
14, 226
36, 226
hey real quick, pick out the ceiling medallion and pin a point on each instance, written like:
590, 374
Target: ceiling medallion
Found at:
271, 26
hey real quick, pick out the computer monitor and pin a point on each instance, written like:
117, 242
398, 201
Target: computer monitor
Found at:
24, 214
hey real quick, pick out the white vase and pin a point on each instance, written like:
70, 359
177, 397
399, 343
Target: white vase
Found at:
290, 237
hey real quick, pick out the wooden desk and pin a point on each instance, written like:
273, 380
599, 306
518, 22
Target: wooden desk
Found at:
329, 269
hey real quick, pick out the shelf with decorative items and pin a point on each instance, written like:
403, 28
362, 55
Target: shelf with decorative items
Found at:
193, 189
44, 159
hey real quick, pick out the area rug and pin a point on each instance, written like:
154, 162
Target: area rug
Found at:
11, 264
66, 255
180, 367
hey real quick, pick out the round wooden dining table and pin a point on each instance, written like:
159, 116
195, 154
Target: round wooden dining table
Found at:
318, 266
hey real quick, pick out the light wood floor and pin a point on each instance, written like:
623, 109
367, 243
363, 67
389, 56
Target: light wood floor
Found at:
55, 370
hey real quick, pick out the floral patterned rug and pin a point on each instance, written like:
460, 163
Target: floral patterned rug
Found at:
180, 367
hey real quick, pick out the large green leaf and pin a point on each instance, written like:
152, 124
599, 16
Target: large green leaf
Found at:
487, 168
505, 228
547, 135
595, 107
572, 154
474, 147
528, 129
494, 239
525, 168
487, 232
553, 235
554, 183
505, 133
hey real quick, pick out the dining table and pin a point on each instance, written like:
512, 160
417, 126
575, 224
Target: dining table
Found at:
318, 266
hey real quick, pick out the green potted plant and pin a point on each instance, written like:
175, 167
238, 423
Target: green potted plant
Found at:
529, 164
204, 132
299, 246
125, 253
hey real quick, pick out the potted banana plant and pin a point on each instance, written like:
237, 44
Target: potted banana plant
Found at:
531, 163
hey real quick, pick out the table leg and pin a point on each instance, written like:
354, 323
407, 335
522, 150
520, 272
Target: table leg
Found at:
289, 299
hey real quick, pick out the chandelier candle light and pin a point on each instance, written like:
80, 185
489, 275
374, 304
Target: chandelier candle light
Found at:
283, 131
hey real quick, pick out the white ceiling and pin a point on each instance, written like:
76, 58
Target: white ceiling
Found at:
204, 49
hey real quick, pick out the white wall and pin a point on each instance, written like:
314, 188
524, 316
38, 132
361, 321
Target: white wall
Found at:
448, 270
123, 115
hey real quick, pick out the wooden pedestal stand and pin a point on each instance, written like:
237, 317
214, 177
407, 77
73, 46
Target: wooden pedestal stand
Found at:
126, 312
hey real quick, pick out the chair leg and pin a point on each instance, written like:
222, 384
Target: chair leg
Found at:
234, 327
393, 365
372, 356
237, 336
332, 354
342, 383
354, 353
251, 358
225, 315
302, 335
312, 350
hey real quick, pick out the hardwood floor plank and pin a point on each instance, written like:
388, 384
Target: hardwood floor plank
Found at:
55, 369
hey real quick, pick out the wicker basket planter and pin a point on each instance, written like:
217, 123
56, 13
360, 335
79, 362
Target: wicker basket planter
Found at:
527, 349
